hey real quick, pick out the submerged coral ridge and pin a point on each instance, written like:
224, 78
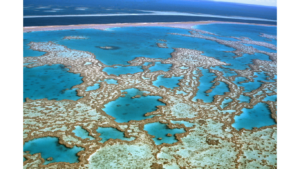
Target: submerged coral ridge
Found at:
193, 109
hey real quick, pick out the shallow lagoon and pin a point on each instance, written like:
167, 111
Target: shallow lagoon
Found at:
160, 130
206, 84
171, 82
127, 108
94, 87
258, 116
50, 82
112, 133
82, 133
50, 147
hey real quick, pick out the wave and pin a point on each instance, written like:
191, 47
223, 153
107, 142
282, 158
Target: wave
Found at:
153, 13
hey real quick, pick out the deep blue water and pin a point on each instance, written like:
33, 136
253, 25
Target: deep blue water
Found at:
112, 133
171, 82
82, 133
206, 84
133, 6
50, 147
125, 108
160, 67
160, 130
259, 116
50, 82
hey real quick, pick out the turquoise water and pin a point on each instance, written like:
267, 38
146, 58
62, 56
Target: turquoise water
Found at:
225, 102
140, 42
160, 130
27, 51
240, 30
82, 133
171, 82
245, 99
160, 66
120, 70
250, 86
243, 62
261, 48
50, 82
272, 98
259, 116
206, 84
131, 42
125, 108
187, 124
94, 87
226, 72
50, 147
111, 133
147, 63
181, 92
111, 81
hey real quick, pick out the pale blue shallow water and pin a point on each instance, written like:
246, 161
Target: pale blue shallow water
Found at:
160, 67
261, 48
111, 81
225, 102
206, 84
120, 70
147, 63
82, 133
112, 133
160, 130
50, 147
50, 82
125, 108
258, 116
94, 87
187, 124
171, 82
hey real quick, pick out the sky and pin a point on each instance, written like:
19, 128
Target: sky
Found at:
254, 2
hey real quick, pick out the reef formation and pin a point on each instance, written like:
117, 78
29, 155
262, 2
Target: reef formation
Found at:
207, 136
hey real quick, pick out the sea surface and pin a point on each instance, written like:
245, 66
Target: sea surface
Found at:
85, 12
